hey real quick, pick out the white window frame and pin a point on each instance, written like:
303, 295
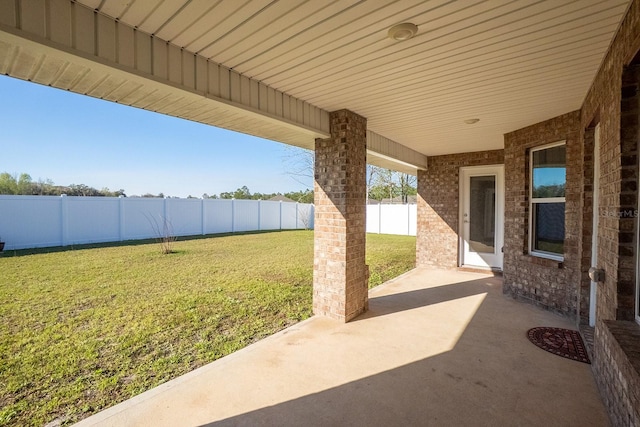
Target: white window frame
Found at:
532, 251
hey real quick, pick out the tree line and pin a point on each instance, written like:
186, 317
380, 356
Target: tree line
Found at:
23, 184
382, 184
386, 184
243, 193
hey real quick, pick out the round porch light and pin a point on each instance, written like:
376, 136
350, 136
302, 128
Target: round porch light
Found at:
403, 31
471, 121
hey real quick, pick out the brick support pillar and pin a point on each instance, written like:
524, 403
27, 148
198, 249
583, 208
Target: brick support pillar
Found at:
340, 275
422, 232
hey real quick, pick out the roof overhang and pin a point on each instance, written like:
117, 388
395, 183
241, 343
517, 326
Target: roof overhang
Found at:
276, 70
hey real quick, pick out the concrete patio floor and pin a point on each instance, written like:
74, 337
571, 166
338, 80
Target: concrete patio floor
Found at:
436, 348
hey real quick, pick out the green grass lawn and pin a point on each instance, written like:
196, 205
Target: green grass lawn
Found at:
87, 328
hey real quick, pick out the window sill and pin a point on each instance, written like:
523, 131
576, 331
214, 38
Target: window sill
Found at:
544, 260
557, 258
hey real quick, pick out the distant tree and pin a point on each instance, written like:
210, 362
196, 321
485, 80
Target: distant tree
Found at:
242, 193
389, 184
16, 184
299, 164
407, 184
45, 188
24, 184
304, 216
547, 191
8, 183
386, 184
108, 193
305, 196
373, 172
82, 190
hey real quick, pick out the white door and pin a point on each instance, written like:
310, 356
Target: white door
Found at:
482, 216
596, 219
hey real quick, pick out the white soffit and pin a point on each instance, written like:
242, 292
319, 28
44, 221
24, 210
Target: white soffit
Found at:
510, 63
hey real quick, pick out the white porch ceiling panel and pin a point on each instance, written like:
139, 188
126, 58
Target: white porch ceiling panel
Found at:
274, 68
510, 63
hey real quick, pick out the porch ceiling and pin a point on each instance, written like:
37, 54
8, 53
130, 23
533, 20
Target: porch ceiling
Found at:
508, 63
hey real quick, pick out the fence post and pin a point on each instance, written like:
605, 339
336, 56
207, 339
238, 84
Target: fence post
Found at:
280, 215
164, 210
203, 217
259, 216
296, 227
121, 217
64, 216
408, 220
380, 217
233, 214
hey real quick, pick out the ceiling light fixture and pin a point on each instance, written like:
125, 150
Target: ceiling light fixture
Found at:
403, 31
471, 121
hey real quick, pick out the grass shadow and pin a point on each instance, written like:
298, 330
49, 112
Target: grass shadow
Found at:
125, 243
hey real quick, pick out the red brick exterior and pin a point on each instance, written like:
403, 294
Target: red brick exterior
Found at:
438, 206
340, 275
612, 102
617, 377
545, 282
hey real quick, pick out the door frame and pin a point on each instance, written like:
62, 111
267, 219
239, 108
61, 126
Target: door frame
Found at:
464, 173
593, 286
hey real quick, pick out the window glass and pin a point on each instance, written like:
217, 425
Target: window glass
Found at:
549, 172
547, 204
549, 227
482, 227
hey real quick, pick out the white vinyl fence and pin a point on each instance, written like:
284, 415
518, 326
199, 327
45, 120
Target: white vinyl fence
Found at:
392, 219
42, 221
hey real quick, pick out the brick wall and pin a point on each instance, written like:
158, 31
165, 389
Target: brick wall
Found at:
438, 206
612, 101
340, 275
618, 379
628, 196
603, 104
550, 284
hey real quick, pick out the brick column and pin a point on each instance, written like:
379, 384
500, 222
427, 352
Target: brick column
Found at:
422, 231
340, 275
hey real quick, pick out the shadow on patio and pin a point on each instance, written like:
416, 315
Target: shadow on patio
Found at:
436, 348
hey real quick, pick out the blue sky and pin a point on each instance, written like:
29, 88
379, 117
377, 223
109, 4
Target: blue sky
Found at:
75, 139
549, 176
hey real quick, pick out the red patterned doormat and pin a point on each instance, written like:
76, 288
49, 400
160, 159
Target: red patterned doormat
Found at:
563, 342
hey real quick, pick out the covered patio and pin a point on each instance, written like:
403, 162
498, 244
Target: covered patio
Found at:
519, 118
433, 349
